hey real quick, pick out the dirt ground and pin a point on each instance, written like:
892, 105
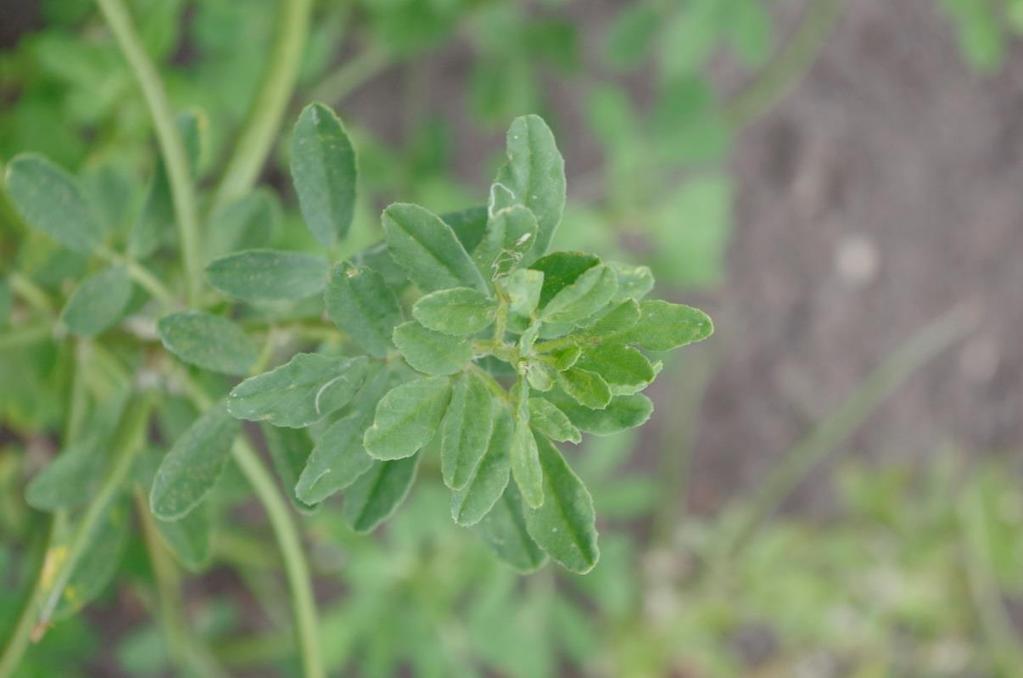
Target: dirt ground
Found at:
884, 190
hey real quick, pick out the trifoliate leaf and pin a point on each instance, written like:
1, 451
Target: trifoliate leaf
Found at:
361, 304
268, 275
189, 537
663, 326
208, 341
622, 413
431, 352
561, 269
547, 419
487, 483
587, 388
193, 465
522, 287
378, 493
428, 249
583, 297
49, 199
535, 175
625, 369
466, 429
303, 390
323, 171
565, 525
458, 311
525, 464
337, 460
504, 530
98, 302
407, 418
511, 233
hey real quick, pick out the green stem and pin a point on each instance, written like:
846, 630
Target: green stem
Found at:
351, 74
24, 336
171, 146
304, 607
143, 276
32, 294
129, 439
788, 67
840, 424
256, 139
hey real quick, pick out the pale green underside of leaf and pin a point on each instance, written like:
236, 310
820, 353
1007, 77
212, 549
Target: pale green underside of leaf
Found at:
324, 173
189, 538
378, 493
565, 525
193, 465
268, 275
466, 429
70, 479
208, 341
504, 530
489, 478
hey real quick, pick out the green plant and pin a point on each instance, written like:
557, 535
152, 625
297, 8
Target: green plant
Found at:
458, 334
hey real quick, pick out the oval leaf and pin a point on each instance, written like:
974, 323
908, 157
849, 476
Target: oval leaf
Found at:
407, 418
547, 419
583, 297
504, 530
208, 341
98, 302
428, 249
458, 311
587, 388
431, 352
361, 304
378, 493
486, 485
268, 275
466, 429
663, 326
323, 172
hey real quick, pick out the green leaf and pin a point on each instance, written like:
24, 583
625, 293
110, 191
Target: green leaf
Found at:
428, 249
468, 225
583, 297
99, 561
587, 388
70, 479
622, 413
525, 463
189, 538
511, 233
466, 429
535, 174
323, 172
522, 288
208, 341
246, 222
407, 418
565, 525
634, 282
49, 199
458, 311
360, 303
547, 419
268, 275
618, 319
431, 352
378, 493
193, 465
663, 326
290, 449
561, 269
625, 369
300, 392
98, 302
490, 477
337, 460
504, 530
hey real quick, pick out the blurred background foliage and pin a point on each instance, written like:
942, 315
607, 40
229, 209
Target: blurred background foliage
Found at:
906, 571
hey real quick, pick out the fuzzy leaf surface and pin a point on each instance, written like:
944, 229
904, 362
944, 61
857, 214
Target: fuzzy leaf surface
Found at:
323, 172
407, 418
428, 249
268, 275
431, 352
211, 342
360, 303
458, 311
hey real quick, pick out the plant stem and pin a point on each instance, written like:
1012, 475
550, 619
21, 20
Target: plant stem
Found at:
286, 533
23, 336
129, 439
351, 74
841, 423
142, 275
31, 293
167, 135
295, 566
788, 67
257, 137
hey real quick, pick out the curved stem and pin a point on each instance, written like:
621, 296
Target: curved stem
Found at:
351, 74
295, 565
171, 146
256, 139
788, 67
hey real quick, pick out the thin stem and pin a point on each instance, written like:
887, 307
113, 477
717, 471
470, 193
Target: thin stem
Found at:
256, 139
142, 275
167, 135
840, 424
351, 74
32, 294
24, 336
788, 67
304, 607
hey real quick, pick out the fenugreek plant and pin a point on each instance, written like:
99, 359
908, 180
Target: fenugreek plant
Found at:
458, 338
